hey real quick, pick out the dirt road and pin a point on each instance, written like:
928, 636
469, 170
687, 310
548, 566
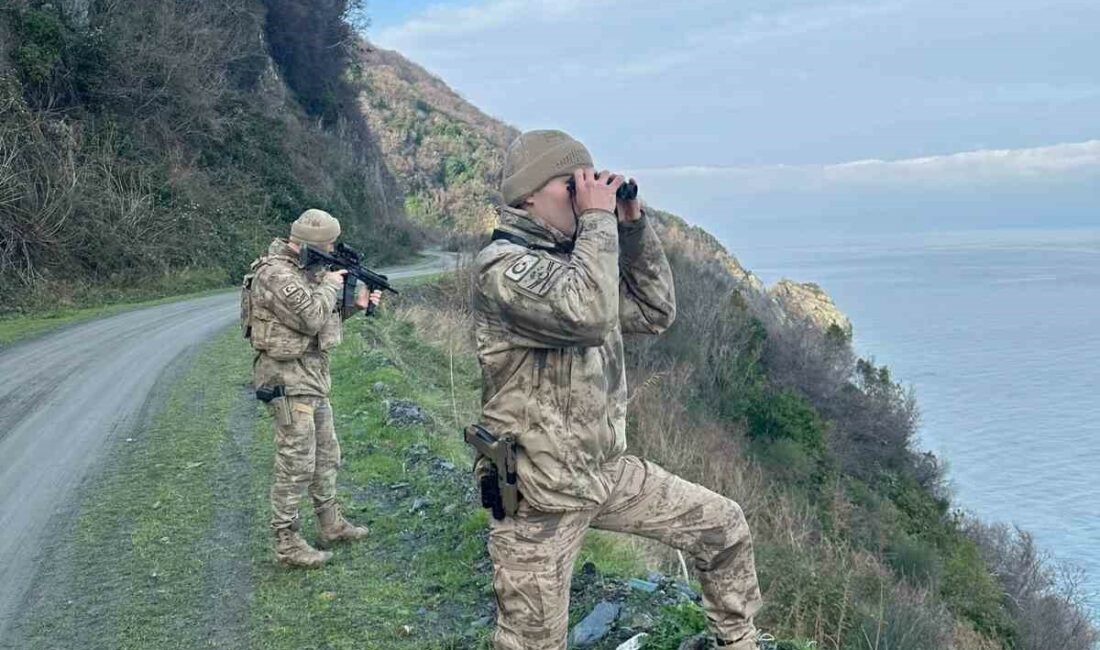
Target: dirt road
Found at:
67, 397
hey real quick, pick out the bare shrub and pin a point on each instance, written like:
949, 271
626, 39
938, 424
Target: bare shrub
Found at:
703, 451
442, 312
34, 207
964, 637
1046, 598
908, 618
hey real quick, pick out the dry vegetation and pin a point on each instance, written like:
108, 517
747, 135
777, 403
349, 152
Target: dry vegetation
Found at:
156, 146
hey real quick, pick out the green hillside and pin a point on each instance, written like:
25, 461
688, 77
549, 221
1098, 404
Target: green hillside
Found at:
153, 147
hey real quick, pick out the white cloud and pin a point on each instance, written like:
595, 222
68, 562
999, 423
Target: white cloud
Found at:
545, 24
648, 84
726, 36
443, 21
952, 170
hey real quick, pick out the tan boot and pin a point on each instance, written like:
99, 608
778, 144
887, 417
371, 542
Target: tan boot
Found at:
334, 528
292, 550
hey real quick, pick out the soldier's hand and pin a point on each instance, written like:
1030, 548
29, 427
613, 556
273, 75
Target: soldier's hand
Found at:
362, 299
482, 467
335, 277
595, 191
628, 211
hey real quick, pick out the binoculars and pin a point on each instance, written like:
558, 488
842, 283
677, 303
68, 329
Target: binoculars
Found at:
627, 191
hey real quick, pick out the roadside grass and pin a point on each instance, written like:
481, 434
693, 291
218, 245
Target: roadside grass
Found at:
421, 579
421, 280
19, 327
151, 565
138, 561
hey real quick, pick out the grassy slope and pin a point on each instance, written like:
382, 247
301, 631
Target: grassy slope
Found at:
172, 550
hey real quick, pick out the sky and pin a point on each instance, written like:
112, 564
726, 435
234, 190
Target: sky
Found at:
787, 118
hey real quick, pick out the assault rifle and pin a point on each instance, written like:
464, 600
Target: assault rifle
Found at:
345, 257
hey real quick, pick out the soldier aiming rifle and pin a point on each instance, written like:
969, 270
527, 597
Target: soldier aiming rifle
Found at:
292, 314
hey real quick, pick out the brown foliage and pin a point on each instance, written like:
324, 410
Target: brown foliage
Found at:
1046, 597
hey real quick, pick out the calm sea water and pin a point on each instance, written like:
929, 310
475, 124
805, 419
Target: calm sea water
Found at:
999, 333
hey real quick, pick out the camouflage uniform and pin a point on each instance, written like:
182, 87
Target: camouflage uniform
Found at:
294, 323
549, 333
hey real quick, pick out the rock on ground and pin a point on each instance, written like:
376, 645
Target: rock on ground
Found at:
596, 625
403, 412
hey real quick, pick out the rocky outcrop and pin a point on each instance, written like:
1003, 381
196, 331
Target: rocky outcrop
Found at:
785, 303
807, 303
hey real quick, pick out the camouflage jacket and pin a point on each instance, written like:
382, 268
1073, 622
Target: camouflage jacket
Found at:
295, 322
549, 326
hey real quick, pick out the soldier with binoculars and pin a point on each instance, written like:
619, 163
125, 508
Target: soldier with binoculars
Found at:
573, 265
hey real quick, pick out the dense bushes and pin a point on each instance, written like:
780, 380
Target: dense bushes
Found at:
40, 44
156, 136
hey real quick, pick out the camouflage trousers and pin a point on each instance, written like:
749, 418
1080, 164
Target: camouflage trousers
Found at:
307, 456
533, 555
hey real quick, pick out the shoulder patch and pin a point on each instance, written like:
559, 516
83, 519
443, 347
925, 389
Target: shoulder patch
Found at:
542, 275
295, 296
522, 267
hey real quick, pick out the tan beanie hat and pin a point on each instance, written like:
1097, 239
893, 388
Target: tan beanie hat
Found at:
315, 227
536, 157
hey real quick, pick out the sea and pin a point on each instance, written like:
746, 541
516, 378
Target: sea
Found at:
998, 332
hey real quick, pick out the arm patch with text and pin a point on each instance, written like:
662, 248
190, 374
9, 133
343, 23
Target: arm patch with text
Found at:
534, 274
295, 297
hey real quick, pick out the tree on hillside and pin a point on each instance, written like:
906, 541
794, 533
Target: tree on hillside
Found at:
314, 43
